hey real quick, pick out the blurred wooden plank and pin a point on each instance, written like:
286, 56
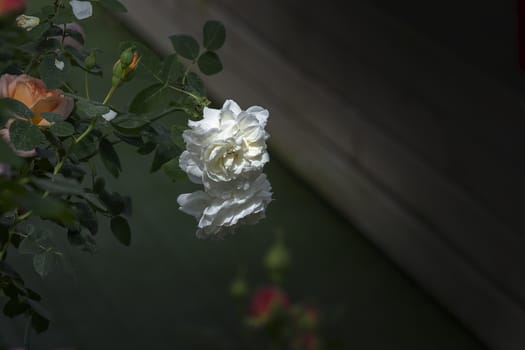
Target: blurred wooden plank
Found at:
352, 151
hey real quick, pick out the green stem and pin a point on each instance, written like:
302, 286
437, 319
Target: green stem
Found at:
187, 71
110, 94
93, 121
184, 92
165, 113
27, 333
86, 84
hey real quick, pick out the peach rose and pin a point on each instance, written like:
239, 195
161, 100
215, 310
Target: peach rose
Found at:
33, 93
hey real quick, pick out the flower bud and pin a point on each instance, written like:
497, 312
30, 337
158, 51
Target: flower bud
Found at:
27, 22
238, 289
277, 261
124, 68
90, 61
126, 57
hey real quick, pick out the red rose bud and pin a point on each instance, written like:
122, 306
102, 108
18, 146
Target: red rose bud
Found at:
266, 303
11, 7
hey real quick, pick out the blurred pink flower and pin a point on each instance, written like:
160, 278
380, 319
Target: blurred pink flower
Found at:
5, 169
8, 7
266, 301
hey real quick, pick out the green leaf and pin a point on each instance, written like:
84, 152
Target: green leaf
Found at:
39, 317
171, 69
164, 153
50, 74
195, 84
152, 98
99, 185
58, 184
53, 117
86, 148
209, 63
176, 134
121, 230
115, 202
110, 157
214, 35
185, 46
113, 5
62, 129
87, 217
44, 262
147, 148
173, 170
77, 36
24, 135
47, 208
81, 239
7, 155
30, 245
130, 124
14, 307
11, 108
89, 109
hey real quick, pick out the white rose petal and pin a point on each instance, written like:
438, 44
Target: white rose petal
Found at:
59, 64
218, 216
81, 9
109, 116
227, 145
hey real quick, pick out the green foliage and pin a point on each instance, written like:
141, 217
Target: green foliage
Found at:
10, 108
210, 63
60, 187
214, 35
186, 46
24, 135
121, 230
110, 157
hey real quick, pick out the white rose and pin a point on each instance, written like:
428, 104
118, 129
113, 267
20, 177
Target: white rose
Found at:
218, 216
226, 145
